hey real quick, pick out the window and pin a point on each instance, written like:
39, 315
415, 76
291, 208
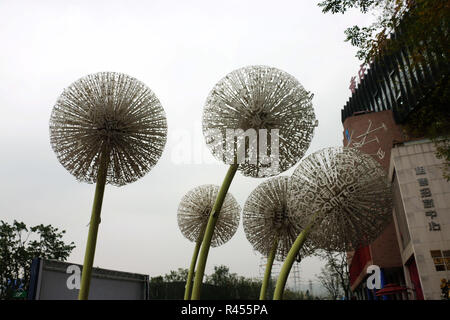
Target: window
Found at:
423, 182
420, 170
441, 259
446, 254
425, 192
428, 203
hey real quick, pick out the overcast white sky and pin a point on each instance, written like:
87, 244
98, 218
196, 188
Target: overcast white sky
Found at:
180, 49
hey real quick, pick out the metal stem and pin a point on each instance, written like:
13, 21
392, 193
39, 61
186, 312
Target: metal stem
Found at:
214, 215
188, 289
268, 271
289, 261
93, 227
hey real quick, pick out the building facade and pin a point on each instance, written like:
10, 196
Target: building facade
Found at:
413, 251
374, 133
421, 216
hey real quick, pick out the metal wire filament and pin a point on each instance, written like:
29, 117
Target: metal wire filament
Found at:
268, 217
194, 210
348, 194
262, 116
109, 113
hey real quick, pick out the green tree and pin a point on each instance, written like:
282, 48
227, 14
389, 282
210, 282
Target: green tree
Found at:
222, 277
298, 295
330, 281
424, 22
176, 276
19, 245
249, 288
424, 28
337, 269
221, 284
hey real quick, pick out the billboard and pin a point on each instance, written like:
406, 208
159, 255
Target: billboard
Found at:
57, 280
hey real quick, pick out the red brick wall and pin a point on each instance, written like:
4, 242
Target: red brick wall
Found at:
374, 133
385, 249
384, 131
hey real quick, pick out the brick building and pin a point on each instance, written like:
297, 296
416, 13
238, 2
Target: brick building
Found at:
413, 252
375, 133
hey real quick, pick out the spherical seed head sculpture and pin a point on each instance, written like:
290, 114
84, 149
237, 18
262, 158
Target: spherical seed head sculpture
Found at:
349, 192
252, 99
110, 113
195, 208
268, 215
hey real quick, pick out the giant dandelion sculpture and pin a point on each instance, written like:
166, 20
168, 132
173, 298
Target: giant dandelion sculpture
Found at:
346, 202
106, 128
259, 120
193, 214
271, 224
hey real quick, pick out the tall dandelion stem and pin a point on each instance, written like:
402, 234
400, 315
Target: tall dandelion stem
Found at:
289, 261
93, 227
106, 128
209, 231
268, 271
351, 193
188, 289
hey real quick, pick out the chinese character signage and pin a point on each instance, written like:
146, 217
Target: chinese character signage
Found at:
427, 200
